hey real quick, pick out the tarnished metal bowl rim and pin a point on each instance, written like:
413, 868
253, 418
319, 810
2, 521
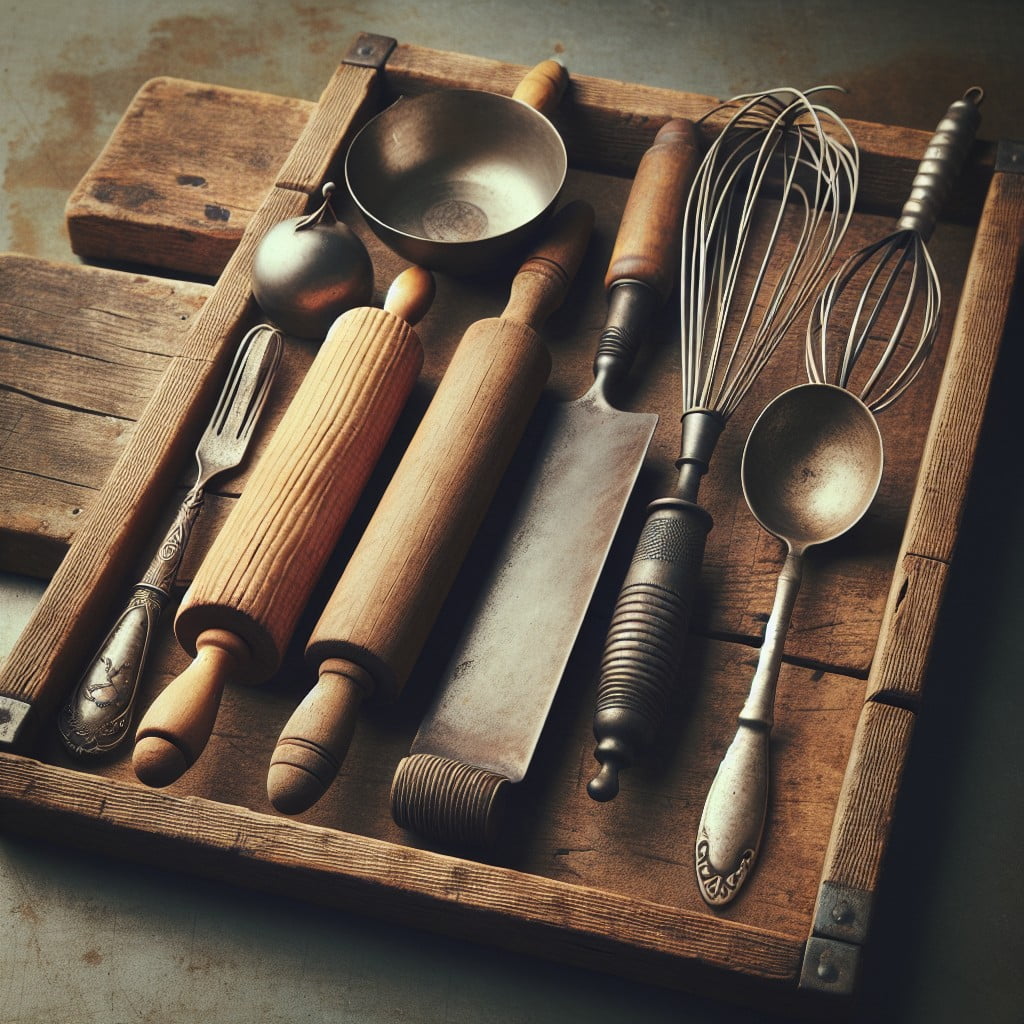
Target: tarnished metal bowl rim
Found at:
425, 157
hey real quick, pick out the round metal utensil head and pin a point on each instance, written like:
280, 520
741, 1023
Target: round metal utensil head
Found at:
812, 464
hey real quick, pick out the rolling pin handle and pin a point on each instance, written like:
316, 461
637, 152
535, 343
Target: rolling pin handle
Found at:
178, 724
544, 86
411, 294
316, 738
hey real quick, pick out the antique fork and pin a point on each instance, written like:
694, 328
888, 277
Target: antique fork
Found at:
98, 714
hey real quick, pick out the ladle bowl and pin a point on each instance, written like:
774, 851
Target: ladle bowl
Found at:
812, 464
811, 468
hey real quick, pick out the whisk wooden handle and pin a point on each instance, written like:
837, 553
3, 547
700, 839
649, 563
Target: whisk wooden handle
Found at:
378, 618
262, 566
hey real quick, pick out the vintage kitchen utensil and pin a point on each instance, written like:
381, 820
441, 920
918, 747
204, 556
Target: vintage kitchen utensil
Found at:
239, 613
888, 296
891, 287
769, 206
457, 179
307, 271
810, 470
378, 618
98, 714
482, 730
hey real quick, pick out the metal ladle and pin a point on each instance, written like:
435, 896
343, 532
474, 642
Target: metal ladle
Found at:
810, 470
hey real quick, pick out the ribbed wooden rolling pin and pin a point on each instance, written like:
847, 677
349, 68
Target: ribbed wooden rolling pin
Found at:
377, 620
238, 615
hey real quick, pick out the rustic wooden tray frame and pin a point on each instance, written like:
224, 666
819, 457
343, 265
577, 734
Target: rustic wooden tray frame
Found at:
609, 128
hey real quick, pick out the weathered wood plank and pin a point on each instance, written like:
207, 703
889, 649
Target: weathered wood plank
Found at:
607, 126
82, 350
179, 179
523, 912
934, 517
188, 163
866, 803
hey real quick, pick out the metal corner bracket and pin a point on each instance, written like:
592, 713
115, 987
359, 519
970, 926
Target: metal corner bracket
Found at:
842, 912
830, 966
369, 51
1010, 157
16, 722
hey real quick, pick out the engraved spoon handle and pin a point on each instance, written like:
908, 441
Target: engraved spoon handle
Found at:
98, 714
731, 825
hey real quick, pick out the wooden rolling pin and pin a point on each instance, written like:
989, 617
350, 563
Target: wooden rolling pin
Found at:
378, 618
238, 615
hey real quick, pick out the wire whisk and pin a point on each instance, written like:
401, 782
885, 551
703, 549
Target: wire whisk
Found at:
888, 294
768, 209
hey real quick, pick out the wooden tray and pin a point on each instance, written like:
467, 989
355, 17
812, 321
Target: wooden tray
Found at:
605, 886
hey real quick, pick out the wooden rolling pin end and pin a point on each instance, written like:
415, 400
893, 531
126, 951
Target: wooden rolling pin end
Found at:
316, 738
158, 761
176, 728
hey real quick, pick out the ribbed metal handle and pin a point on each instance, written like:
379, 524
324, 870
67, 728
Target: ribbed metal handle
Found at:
645, 641
448, 801
941, 164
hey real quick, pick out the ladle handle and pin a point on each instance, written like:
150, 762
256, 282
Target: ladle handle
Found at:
731, 826
543, 87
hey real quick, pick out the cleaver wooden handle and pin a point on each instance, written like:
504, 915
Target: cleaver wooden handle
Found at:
238, 615
647, 244
645, 259
375, 624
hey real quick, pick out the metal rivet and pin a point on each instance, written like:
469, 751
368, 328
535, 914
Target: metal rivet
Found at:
827, 970
842, 913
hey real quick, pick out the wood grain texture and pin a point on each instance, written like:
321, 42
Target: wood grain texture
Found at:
118, 213
610, 887
867, 801
82, 350
607, 126
929, 542
258, 574
518, 911
182, 175
393, 587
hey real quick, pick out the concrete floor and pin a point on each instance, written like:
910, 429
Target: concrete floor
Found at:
94, 942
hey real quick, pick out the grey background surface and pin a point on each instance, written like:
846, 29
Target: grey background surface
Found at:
95, 941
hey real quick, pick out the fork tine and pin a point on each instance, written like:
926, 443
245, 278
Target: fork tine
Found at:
251, 373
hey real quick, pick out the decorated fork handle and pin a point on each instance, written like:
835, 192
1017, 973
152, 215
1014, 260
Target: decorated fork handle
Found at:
98, 715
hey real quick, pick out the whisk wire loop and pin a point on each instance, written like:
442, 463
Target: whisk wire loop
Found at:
772, 200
